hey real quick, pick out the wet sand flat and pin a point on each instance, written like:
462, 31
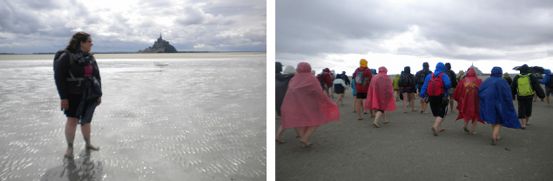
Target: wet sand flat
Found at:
184, 121
405, 149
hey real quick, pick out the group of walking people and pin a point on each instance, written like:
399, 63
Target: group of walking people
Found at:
489, 101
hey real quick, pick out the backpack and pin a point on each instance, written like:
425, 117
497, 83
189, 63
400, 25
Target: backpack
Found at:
406, 80
360, 78
436, 85
524, 86
421, 75
57, 56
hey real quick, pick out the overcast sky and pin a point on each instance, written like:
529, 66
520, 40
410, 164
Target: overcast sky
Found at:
47, 25
396, 33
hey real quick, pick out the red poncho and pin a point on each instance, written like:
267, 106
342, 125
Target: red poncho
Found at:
466, 95
305, 104
381, 92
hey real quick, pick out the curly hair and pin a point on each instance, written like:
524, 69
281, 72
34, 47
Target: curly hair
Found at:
75, 42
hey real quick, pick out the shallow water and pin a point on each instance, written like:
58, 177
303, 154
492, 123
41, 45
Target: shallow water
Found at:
198, 118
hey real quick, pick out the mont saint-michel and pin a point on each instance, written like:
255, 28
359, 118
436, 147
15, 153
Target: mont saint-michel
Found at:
160, 46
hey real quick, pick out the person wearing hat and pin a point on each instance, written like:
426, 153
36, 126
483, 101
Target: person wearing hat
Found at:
362, 77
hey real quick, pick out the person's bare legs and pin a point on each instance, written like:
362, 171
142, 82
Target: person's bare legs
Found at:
411, 99
495, 133
473, 129
279, 132
375, 122
339, 100
307, 134
547, 99
359, 108
85, 129
423, 105
70, 129
523, 122
436, 127
404, 103
451, 103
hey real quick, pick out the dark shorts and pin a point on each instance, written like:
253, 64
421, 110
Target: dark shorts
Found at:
88, 109
339, 89
548, 91
438, 106
524, 106
407, 90
74, 101
361, 95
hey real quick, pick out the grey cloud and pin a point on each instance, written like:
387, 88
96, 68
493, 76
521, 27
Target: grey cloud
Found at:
304, 27
27, 27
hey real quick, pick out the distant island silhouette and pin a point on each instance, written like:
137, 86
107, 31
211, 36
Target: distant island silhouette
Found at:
160, 46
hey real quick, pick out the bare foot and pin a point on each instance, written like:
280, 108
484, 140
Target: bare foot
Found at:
68, 153
92, 147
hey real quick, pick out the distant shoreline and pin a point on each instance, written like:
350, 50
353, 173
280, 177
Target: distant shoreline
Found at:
51, 53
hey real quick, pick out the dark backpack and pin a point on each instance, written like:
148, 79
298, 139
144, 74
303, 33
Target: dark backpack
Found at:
421, 75
436, 85
406, 80
57, 57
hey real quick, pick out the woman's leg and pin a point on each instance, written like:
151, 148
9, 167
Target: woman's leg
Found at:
375, 122
70, 129
412, 101
473, 129
404, 102
85, 129
308, 132
279, 134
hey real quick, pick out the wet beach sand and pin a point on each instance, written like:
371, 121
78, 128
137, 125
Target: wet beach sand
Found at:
183, 121
405, 149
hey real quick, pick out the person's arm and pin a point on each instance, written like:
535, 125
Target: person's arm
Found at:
537, 87
61, 68
514, 87
447, 82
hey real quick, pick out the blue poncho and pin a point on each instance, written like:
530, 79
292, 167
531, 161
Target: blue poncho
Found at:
496, 101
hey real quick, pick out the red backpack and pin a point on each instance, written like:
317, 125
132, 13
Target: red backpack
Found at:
436, 85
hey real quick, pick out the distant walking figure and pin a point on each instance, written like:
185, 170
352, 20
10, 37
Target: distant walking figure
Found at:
466, 95
524, 86
362, 77
435, 87
305, 106
79, 87
420, 76
496, 105
380, 96
282, 80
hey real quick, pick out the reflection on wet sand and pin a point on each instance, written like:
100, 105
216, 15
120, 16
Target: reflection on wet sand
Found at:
81, 168
193, 119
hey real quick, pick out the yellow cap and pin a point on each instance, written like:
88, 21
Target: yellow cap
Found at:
363, 63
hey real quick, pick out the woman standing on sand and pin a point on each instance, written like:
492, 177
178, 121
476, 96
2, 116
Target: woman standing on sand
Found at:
305, 106
78, 83
496, 104
380, 96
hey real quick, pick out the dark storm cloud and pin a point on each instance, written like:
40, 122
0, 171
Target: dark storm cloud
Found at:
45, 26
456, 29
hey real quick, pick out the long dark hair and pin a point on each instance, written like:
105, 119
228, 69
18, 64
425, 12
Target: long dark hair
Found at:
75, 42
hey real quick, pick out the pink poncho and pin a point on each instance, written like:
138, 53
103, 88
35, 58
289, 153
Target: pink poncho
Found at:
381, 92
305, 104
